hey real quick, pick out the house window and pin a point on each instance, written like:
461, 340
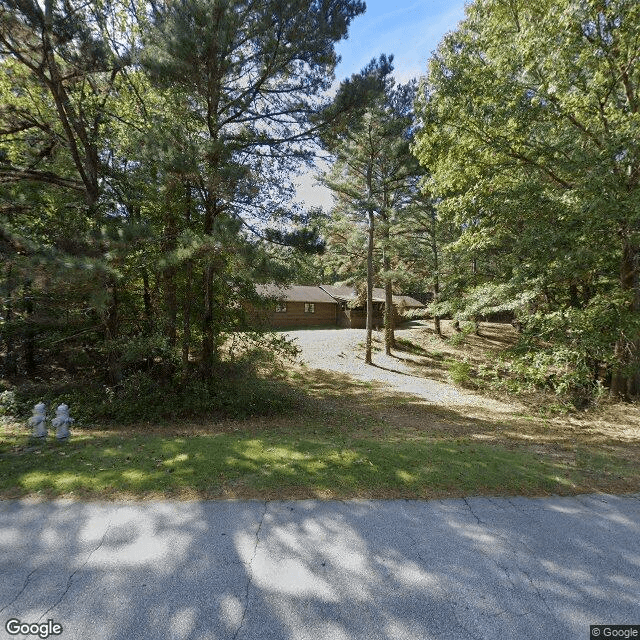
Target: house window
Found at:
309, 307
281, 307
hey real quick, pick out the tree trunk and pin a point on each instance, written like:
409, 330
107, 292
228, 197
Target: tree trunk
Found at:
186, 319
186, 304
368, 346
146, 299
436, 275
171, 306
389, 319
213, 207
208, 331
29, 333
573, 296
9, 358
111, 323
625, 378
169, 272
633, 380
618, 387
436, 325
389, 311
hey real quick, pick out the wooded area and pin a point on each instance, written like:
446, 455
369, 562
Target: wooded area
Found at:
525, 204
147, 158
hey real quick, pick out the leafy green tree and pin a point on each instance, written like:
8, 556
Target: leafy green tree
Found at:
63, 86
249, 76
530, 129
373, 176
72, 54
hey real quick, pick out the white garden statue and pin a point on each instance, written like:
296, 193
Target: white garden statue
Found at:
39, 420
62, 421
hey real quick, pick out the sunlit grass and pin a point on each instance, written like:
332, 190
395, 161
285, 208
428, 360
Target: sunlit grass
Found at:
308, 462
347, 439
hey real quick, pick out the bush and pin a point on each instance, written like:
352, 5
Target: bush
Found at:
529, 367
460, 372
154, 387
141, 398
8, 403
457, 339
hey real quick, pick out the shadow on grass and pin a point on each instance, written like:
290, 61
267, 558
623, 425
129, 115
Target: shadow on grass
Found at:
349, 439
306, 463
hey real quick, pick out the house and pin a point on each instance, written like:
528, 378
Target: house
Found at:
298, 306
353, 312
327, 305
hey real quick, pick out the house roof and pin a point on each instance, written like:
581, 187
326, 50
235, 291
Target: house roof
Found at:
407, 301
327, 293
344, 294
294, 293
347, 294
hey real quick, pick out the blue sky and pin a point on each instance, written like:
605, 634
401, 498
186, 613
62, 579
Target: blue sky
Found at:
408, 29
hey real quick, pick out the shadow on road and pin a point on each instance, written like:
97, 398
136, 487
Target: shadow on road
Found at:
473, 568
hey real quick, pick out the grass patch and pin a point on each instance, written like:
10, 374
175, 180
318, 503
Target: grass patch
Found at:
294, 459
325, 434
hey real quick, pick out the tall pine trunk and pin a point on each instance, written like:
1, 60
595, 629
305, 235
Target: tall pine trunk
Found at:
170, 232
368, 344
389, 313
208, 325
389, 320
29, 333
112, 328
186, 303
436, 275
208, 330
10, 356
186, 319
146, 300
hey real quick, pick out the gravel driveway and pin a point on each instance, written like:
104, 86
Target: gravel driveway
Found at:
342, 351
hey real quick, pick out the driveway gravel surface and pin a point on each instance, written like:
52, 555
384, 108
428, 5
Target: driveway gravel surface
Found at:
478, 568
342, 351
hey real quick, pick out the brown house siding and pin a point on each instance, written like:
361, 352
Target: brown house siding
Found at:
295, 316
332, 306
357, 318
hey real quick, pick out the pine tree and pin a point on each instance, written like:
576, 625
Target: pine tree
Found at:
373, 173
251, 75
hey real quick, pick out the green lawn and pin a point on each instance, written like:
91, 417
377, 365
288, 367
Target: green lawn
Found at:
295, 460
339, 439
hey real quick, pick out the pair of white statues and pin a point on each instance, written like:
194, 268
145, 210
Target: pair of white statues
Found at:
61, 422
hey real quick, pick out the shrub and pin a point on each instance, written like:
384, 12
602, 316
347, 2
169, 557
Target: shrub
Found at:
8, 403
459, 372
236, 389
141, 398
457, 339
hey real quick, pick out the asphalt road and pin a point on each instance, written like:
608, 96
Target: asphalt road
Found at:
500, 569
